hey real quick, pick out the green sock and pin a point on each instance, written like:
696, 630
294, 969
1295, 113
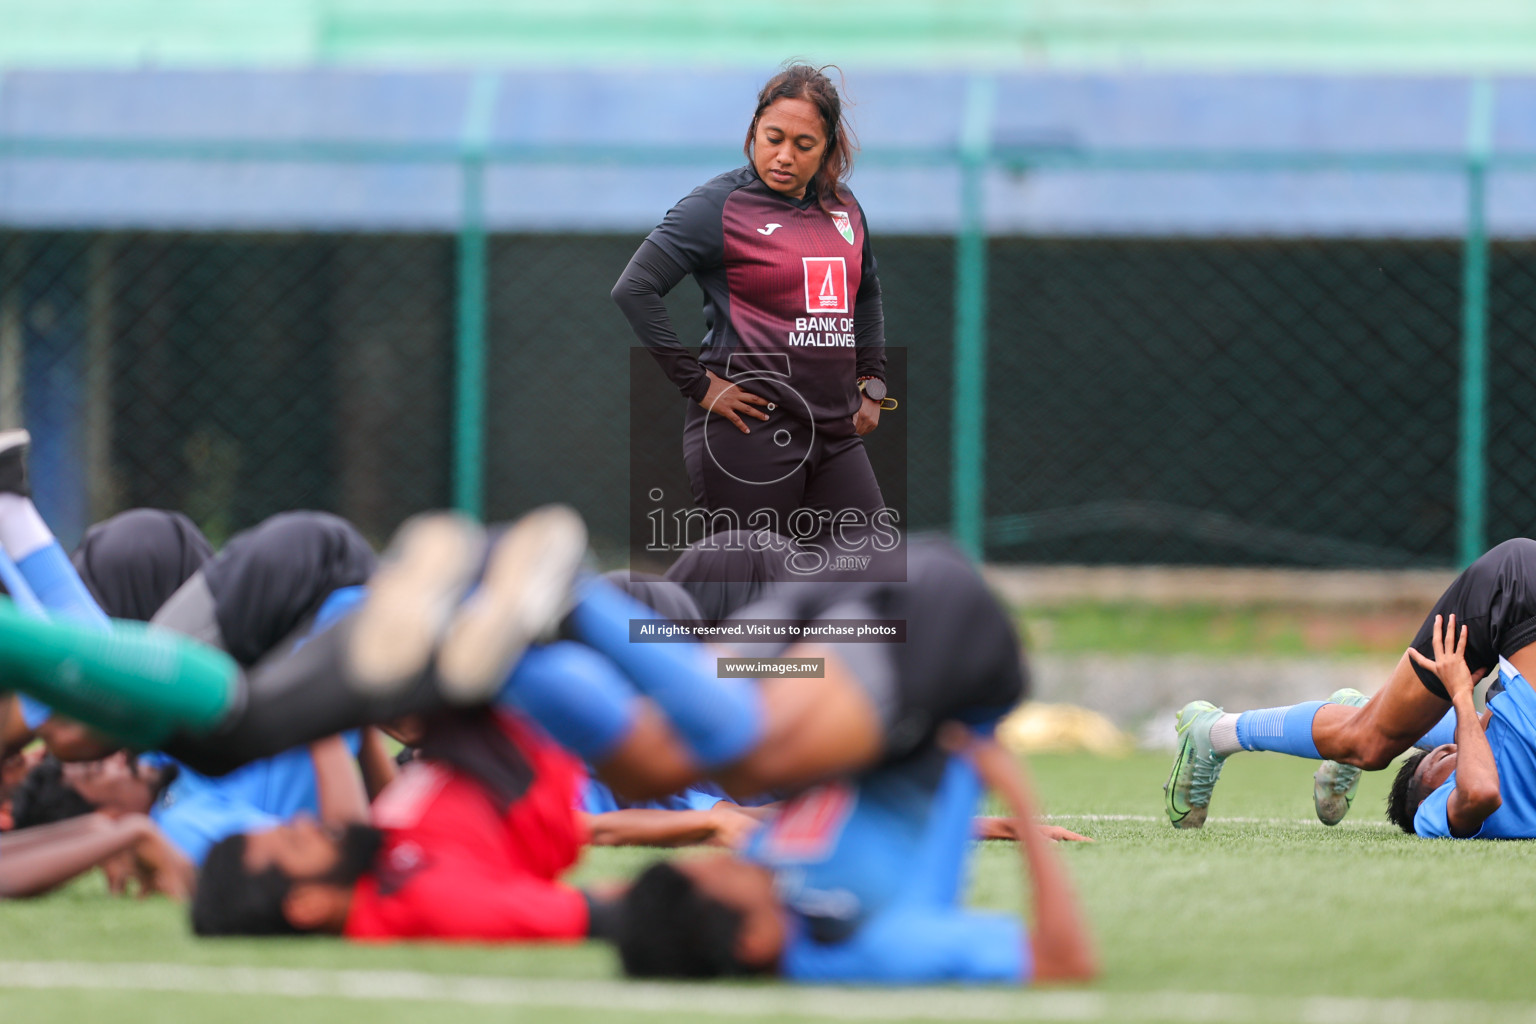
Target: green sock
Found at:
135, 683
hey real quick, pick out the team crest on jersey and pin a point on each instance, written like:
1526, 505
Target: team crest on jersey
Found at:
826, 284
844, 225
809, 824
399, 866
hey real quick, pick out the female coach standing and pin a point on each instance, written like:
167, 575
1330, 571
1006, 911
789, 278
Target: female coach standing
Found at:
793, 367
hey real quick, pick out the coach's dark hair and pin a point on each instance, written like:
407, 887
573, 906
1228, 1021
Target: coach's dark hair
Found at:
669, 929
232, 901
43, 797
1399, 806
803, 82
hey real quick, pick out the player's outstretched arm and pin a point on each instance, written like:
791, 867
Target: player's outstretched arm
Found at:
1059, 939
38, 860
985, 827
723, 825
1477, 794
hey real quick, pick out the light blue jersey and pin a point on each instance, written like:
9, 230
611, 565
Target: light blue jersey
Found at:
195, 817
197, 811
1512, 737
873, 872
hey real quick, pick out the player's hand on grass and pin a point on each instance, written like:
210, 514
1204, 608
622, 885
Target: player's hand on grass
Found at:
1057, 834
729, 400
1450, 662
119, 871
1007, 828
159, 867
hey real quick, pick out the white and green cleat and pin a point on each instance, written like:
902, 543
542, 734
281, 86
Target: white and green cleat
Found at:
1187, 793
1334, 784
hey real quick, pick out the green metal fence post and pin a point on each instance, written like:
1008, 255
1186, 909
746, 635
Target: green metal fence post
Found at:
469, 302
1471, 464
967, 489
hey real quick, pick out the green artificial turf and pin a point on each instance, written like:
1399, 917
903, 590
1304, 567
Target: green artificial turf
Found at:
1253, 918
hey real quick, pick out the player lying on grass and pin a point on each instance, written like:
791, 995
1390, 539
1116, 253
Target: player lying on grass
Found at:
186, 813
651, 717
730, 571
861, 880
35, 860
869, 867
468, 843
1494, 598
266, 590
148, 562
1480, 785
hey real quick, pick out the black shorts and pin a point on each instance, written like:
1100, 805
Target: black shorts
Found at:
1495, 598
268, 582
133, 562
961, 660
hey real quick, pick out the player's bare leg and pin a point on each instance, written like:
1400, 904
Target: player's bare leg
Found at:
1370, 737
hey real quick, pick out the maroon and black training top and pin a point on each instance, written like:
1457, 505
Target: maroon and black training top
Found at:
791, 297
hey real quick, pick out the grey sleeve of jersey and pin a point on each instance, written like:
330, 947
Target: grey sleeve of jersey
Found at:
650, 275
869, 315
692, 232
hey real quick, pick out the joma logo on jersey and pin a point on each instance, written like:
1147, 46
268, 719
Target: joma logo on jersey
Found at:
844, 225
826, 284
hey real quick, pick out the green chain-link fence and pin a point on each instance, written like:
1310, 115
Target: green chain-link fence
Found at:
1291, 400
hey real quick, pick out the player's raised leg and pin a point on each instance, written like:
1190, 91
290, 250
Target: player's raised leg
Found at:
1495, 597
1366, 737
31, 544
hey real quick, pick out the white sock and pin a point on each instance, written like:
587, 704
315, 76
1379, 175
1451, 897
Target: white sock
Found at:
1224, 735
22, 530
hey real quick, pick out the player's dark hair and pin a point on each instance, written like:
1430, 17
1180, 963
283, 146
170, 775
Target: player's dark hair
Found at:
1400, 808
231, 900
667, 928
43, 797
803, 82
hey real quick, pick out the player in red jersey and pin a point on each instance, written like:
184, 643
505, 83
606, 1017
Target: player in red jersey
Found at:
468, 843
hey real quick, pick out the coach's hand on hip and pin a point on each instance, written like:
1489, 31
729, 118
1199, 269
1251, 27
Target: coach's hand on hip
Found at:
867, 417
727, 399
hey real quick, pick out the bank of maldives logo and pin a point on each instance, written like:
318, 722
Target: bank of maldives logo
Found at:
826, 284
843, 224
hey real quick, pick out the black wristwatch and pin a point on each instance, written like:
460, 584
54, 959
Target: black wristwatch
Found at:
873, 388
